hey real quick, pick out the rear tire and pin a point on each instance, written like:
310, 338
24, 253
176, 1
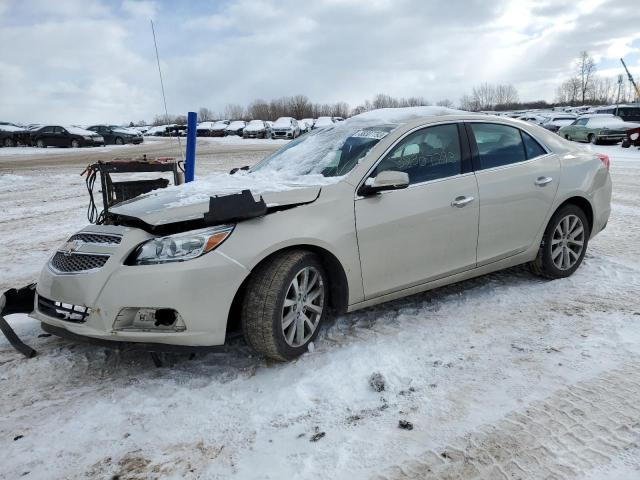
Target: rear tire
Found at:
119, 141
564, 243
280, 316
75, 143
40, 143
593, 139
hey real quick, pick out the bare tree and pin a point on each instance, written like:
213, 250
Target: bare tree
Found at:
445, 102
205, 115
233, 111
484, 96
585, 70
467, 102
506, 94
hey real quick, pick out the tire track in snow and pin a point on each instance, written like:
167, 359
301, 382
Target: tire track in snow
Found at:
576, 431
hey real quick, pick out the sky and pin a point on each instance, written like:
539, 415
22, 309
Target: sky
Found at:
91, 61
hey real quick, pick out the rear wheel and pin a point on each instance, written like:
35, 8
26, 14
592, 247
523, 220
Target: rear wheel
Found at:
592, 139
75, 143
40, 143
567, 137
119, 141
8, 142
564, 243
285, 303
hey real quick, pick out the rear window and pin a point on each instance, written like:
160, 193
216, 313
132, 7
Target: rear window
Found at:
498, 145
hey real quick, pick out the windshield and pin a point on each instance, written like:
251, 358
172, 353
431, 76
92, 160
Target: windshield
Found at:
331, 152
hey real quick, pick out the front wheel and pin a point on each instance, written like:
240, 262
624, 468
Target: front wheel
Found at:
8, 142
285, 303
75, 143
40, 143
119, 141
592, 139
563, 245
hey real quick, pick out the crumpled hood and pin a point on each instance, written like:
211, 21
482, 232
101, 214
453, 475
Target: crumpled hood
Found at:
164, 207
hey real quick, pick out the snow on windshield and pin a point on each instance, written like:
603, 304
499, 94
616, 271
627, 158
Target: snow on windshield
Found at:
283, 122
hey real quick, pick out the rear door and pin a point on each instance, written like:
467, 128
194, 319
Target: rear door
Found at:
517, 182
428, 230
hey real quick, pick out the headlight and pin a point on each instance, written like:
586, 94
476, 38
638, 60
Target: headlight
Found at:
88, 138
181, 247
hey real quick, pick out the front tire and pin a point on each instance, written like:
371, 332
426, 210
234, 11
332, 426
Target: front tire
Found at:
40, 143
285, 303
8, 142
75, 143
593, 139
563, 245
119, 141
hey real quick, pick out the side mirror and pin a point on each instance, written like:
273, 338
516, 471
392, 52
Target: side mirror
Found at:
386, 180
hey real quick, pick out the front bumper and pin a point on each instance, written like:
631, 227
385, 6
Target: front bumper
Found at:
201, 291
282, 134
612, 137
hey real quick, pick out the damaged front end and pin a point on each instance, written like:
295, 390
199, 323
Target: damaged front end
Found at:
17, 301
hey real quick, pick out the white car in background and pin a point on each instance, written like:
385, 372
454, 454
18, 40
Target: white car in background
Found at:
322, 122
556, 121
257, 129
383, 205
285, 127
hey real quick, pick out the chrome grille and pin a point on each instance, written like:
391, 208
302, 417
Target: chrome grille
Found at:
97, 238
77, 262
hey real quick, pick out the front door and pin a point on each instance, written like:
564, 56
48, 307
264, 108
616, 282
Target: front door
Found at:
426, 231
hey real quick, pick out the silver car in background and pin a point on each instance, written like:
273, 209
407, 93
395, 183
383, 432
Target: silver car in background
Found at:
385, 204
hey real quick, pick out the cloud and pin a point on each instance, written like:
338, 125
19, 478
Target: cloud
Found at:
140, 8
93, 60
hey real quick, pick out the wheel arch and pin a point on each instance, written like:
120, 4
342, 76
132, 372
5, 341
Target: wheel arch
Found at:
338, 282
583, 203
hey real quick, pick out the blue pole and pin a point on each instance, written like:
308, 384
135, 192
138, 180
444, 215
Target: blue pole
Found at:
190, 162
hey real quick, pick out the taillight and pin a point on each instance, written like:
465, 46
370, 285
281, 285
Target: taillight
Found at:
604, 159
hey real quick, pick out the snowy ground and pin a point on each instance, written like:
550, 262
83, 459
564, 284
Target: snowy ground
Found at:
504, 376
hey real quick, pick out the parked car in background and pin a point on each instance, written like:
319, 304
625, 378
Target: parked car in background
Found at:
235, 128
598, 128
628, 113
115, 135
211, 129
64, 136
323, 122
407, 204
157, 131
555, 121
285, 127
304, 126
309, 122
12, 135
257, 129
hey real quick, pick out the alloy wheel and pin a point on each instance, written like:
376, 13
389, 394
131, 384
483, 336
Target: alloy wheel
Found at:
567, 242
303, 306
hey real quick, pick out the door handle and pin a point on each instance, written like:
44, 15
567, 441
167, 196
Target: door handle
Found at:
461, 201
542, 181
